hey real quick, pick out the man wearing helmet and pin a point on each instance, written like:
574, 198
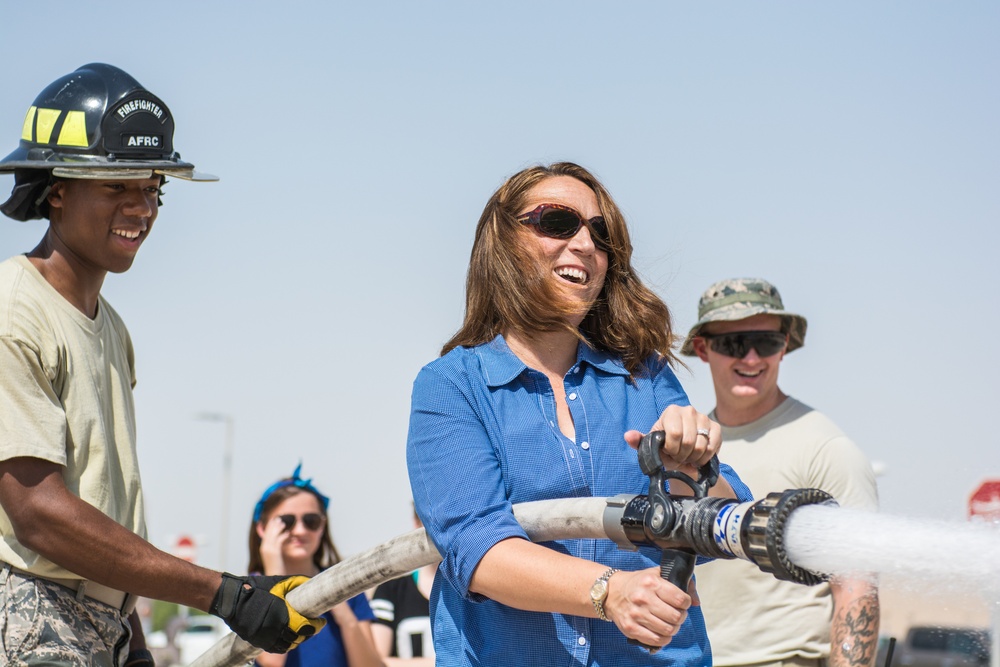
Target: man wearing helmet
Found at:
94, 151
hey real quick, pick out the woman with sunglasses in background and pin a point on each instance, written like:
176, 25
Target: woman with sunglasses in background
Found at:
562, 363
290, 534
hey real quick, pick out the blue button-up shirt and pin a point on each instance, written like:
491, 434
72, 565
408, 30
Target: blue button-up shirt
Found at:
483, 437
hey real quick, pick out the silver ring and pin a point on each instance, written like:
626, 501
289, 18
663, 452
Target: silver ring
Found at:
704, 432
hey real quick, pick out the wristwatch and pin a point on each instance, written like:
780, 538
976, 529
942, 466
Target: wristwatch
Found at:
599, 593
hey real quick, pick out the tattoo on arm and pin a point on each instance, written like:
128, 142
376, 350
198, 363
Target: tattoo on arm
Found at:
854, 635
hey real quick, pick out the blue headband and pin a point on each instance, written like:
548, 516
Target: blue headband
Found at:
295, 480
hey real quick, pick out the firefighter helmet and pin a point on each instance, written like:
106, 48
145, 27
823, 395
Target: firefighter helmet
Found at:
98, 118
97, 122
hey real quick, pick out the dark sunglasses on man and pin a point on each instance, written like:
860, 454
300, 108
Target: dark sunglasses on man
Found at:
311, 521
738, 343
561, 222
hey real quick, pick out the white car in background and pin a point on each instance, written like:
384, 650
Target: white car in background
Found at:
195, 635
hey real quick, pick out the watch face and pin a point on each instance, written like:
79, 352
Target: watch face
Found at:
599, 590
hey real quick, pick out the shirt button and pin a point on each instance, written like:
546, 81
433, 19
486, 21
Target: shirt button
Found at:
582, 641
584, 445
572, 397
576, 370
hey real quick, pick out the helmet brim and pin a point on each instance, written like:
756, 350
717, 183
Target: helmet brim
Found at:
131, 173
99, 168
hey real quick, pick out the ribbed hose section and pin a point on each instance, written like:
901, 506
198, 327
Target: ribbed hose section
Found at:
700, 518
763, 533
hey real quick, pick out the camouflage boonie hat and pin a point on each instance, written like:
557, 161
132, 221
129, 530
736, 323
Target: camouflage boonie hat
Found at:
740, 298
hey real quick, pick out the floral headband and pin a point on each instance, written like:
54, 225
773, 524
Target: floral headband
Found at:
295, 480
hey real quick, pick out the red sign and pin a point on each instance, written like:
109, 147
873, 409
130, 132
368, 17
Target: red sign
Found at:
984, 503
186, 548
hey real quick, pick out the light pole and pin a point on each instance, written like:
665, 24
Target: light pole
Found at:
227, 473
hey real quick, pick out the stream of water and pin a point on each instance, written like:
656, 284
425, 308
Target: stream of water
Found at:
920, 554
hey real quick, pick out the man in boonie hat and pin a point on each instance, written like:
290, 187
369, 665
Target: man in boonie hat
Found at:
741, 298
775, 442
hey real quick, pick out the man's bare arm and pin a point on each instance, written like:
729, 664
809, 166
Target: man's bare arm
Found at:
61, 527
854, 631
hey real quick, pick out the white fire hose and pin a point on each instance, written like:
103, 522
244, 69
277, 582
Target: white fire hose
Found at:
545, 520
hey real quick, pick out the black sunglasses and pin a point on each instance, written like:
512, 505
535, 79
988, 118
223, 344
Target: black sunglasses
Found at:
311, 521
562, 222
739, 343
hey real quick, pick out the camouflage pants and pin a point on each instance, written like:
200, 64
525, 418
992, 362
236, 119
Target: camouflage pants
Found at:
42, 623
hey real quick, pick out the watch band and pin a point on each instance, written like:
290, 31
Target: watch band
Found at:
598, 600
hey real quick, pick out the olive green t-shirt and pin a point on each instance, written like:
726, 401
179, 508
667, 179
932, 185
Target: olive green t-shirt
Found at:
752, 617
66, 397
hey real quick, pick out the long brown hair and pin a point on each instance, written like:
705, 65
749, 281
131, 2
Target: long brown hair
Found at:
505, 291
324, 557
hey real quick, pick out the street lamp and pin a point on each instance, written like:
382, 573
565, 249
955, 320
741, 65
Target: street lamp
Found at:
227, 473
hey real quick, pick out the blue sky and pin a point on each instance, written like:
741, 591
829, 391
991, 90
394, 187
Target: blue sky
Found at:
849, 152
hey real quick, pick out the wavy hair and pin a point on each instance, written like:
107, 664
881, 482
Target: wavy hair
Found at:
506, 290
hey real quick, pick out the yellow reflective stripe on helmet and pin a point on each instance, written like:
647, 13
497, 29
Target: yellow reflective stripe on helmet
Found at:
74, 130
72, 133
29, 122
46, 121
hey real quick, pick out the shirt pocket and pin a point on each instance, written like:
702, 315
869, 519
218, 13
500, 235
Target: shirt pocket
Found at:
540, 463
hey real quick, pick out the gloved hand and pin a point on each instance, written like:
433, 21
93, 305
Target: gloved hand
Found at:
254, 608
139, 658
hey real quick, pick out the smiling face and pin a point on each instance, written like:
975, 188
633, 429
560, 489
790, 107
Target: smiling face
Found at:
98, 225
576, 264
745, 389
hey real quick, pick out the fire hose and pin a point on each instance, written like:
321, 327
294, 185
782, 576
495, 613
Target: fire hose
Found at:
683, 527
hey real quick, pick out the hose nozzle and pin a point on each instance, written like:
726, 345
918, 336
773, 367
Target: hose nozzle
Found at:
707, 526
716, 528
756, 532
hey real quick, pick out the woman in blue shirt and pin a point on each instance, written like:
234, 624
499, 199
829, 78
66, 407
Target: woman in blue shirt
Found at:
562, 363
290, 534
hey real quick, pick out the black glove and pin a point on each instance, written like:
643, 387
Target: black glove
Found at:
140, 657
255, 609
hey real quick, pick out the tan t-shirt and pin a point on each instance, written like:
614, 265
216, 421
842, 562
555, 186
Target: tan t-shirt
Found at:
751, 616
66, 397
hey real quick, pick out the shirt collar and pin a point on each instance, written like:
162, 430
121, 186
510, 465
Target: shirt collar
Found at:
600, 360
501, 365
